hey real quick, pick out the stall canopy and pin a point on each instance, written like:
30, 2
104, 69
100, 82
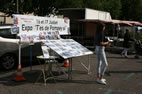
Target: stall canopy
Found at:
134, 23
121, 22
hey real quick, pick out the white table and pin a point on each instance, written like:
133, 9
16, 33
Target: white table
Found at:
46, 68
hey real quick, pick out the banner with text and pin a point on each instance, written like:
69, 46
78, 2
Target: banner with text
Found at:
41, 28
34, 24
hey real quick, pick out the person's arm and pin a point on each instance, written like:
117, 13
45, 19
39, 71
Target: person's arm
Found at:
104, 43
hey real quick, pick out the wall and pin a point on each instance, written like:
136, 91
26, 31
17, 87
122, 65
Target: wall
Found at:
5, 19
95, 14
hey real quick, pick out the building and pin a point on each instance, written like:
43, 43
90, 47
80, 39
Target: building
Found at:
5, 19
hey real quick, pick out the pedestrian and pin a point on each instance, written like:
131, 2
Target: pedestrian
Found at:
126, 43
100, 53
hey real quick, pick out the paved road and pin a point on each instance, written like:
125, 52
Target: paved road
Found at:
124, 76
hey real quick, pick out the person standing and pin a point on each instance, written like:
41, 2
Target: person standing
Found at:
100, 53
126, 43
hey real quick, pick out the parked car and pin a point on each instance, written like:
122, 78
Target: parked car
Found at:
9, 51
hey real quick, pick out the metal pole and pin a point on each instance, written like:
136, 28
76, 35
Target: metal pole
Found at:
19, 53
17, 11
30, 57
70, 69
89, 64
17, 6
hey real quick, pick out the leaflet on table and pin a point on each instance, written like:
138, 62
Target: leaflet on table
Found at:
45, 51
67, 48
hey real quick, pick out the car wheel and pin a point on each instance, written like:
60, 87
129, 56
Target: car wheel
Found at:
8, 62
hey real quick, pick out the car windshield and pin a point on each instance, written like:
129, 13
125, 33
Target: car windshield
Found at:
6, 33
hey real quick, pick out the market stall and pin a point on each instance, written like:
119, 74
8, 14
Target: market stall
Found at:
47, 30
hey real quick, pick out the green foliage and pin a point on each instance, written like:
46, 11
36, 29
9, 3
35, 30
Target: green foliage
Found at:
119, 9
140, 37
8, 6
114, 7
131, 10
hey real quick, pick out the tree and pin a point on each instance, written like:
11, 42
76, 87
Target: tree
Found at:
131, 9
37, 7
114, 7
43, 7
119, 9
8, 6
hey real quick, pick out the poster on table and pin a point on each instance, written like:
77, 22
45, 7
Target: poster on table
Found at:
41, 28
45, 51
67, 48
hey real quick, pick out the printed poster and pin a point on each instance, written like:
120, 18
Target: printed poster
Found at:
67, 48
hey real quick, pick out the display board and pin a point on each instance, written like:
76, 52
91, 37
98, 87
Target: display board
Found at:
40, 28
67, 48
36, 24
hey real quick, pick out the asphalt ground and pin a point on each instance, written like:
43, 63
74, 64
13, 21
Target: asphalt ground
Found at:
123, 75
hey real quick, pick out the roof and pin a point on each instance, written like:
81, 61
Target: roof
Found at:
87, 13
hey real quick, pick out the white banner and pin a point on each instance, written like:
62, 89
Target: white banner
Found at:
35, 24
